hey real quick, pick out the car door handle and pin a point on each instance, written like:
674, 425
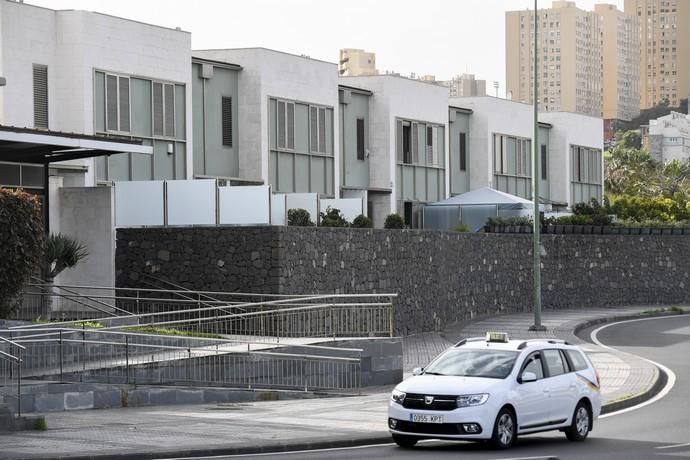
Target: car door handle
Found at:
546, 390
573, 386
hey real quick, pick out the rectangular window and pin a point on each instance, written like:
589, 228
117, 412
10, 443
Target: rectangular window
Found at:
117, 103
544, 175
415, 143
463, 151
317, 130
226, 120
163, 109
360, 138
407, 142
40, 96
286, 125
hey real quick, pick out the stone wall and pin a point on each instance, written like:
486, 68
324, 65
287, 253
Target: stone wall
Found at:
440, 277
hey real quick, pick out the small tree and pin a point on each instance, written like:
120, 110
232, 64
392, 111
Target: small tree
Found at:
394, 221
333, 218
61, 253
362, 221
299, 218
21, 244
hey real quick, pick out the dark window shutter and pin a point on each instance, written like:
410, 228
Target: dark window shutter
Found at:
429, 145
111, 103
543, 163
291, 125
463, 151
123, 100
322, 130
226, 107
158, 109
313, 129
360, 138
169, 129
281, 124
40, 96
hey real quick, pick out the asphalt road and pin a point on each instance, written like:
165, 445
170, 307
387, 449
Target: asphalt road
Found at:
660, 430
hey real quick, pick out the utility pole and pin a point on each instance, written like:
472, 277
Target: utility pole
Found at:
536, 248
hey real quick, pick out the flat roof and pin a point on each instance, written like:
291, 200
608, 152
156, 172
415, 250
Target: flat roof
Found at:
37, 146
357, 90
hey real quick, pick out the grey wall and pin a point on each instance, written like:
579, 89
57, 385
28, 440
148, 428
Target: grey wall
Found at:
87, 214
459, 180
440, 277
354, 172
211, 157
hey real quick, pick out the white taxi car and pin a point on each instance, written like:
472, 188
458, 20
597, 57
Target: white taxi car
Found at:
491, 388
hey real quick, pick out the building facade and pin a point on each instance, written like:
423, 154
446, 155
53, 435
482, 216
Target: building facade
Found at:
668, 138
65, 72
287, 120
355, 62
585, 63
664, 50
407, 145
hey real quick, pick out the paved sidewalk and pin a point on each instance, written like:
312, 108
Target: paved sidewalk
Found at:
165, 432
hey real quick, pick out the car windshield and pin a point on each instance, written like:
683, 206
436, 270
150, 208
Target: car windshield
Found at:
494, 364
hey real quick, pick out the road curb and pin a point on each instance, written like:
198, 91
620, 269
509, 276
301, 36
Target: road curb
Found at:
240, 450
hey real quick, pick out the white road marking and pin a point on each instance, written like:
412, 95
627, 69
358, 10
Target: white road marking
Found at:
548, 457
670, 374
687, 444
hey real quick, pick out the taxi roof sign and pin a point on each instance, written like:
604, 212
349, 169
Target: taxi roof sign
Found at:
501, 337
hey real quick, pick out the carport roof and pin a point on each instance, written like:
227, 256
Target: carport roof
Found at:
26, 145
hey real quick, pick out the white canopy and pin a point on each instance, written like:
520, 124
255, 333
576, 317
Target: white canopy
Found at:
485, 196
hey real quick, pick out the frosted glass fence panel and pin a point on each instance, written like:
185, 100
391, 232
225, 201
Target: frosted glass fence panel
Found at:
308, 201
139, 203
244, 205
349, 207
192, 202
441, 217
278, 209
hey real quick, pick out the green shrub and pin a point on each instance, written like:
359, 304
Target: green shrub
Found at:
333, 218
394, 221
299, 218
362, 221
462, 228
22, 241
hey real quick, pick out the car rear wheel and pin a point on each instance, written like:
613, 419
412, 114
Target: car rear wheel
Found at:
581, 424
406, 442
505, 429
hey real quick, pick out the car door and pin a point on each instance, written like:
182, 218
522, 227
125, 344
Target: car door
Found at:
532, 401
562, 390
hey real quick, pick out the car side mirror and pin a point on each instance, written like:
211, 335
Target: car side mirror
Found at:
418, 371
528, 377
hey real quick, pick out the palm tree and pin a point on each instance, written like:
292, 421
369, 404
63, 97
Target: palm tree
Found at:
61, 252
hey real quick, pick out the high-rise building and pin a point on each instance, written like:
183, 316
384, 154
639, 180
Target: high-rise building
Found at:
356, 62
465, 85
620, 68
665, 50
574, 48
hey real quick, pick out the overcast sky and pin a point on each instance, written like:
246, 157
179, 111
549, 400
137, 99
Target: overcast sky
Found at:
436, 37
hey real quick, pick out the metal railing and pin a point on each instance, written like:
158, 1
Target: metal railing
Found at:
263, 316
11, 370
101, 356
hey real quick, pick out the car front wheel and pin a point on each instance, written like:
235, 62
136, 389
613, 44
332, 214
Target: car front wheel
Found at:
505, 429
581, 424
406, 442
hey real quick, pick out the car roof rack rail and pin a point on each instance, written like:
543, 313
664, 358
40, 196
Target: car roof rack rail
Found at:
469, 339
547, 340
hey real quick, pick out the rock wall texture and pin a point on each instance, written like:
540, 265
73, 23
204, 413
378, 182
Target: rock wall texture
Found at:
440, 277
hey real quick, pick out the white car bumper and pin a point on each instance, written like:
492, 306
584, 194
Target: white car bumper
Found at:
454, 426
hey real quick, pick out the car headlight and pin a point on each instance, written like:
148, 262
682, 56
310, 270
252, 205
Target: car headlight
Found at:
398, 396
472, 400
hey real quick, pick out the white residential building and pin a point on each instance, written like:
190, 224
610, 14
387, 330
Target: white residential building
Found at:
500, 151
408, 121
91, 73
669, 137
287, 119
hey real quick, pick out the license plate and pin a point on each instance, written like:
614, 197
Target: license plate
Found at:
425, 418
